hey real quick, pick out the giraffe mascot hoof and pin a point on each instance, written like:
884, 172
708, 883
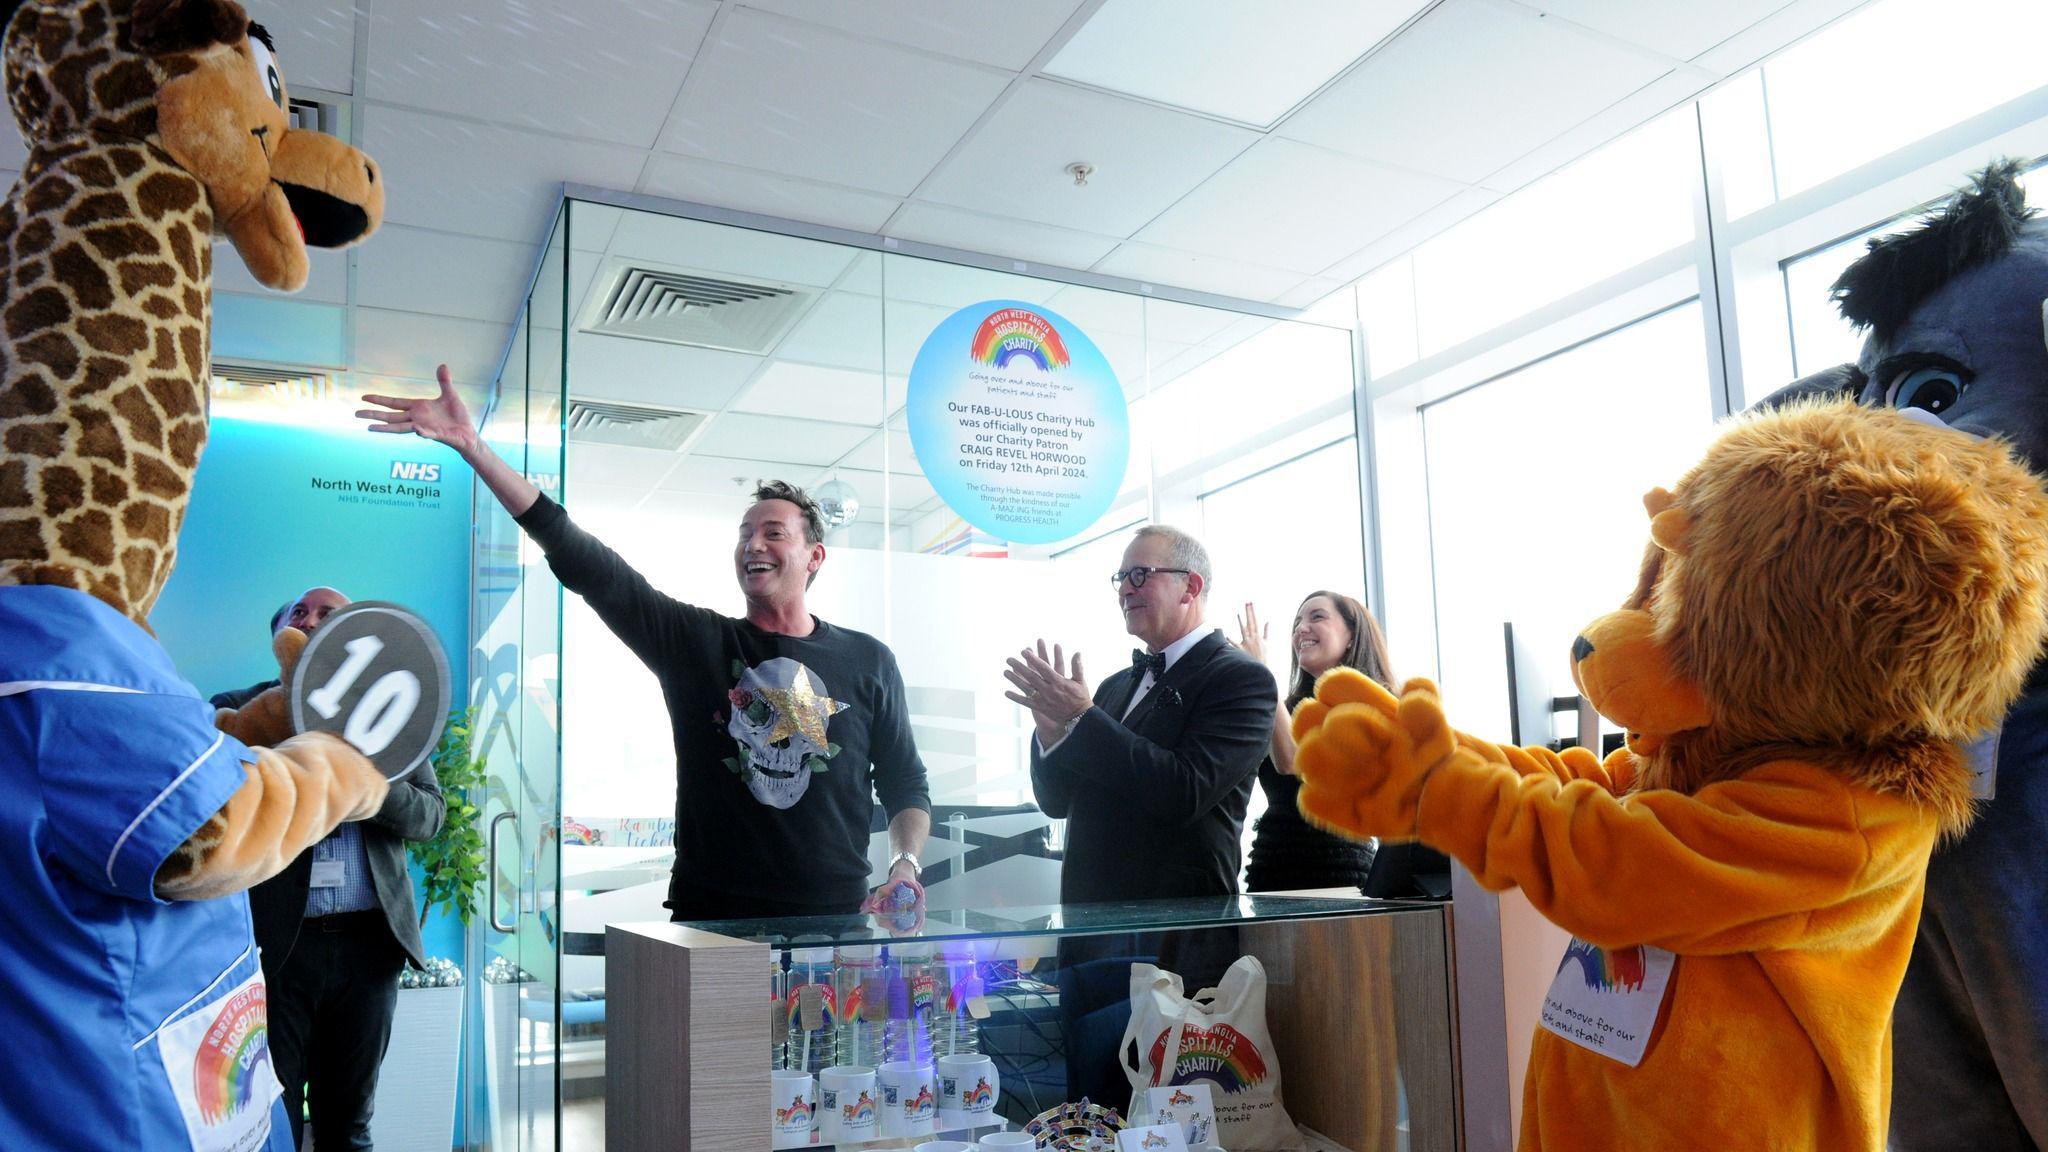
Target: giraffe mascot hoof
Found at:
129, 823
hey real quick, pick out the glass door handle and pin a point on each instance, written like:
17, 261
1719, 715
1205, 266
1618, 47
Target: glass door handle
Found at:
491, 888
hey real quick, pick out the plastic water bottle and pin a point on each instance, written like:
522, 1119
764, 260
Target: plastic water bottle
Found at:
778, 1026
909, 1035
955, 1032
856, 976
812, 1012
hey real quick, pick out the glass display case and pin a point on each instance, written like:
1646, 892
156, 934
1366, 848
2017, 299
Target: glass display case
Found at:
1316, 1021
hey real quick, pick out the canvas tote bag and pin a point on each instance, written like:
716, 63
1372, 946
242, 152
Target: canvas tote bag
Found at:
1216, 1037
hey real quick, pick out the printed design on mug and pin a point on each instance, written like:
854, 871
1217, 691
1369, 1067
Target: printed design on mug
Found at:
797, 1112
235, 1046
780, 710
920, 1107
860, 1113
1009, 333
980, 1097
1604, 971
1219, 1055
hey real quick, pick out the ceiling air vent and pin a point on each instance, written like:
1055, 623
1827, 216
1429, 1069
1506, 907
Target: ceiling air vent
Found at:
633, 425
273, 382
644, 301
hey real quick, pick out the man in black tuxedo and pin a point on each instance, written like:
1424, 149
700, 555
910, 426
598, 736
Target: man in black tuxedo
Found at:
335, 928
1152, 774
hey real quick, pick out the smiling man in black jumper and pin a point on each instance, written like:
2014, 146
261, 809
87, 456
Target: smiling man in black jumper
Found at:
787, 728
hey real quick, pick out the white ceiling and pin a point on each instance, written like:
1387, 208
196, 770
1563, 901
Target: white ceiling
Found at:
1261, 151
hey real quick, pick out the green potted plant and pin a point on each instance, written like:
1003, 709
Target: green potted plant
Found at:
417, 1089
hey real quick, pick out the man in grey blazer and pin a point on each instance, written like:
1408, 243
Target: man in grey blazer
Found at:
335, 928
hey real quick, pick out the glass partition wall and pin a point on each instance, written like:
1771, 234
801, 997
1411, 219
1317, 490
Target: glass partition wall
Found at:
671, 359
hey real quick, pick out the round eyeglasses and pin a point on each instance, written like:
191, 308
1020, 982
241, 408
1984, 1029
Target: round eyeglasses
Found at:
1139, 573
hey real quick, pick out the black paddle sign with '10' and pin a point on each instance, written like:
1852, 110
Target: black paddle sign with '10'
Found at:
374, 675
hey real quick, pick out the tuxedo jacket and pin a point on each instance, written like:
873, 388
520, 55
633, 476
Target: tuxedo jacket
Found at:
1155, 802
413, 810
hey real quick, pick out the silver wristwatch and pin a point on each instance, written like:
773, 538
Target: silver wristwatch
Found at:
915, 867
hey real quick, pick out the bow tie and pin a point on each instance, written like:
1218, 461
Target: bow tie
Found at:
1142, 660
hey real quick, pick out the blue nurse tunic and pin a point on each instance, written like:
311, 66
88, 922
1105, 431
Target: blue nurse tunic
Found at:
130, 1022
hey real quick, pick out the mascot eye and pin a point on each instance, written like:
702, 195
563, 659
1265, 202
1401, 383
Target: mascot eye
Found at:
1932, 387
266, 67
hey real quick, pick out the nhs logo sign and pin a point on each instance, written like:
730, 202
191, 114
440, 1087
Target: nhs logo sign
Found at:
412, 470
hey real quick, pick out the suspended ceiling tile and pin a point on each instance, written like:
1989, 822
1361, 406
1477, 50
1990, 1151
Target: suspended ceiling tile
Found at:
806, 201
650, 372
618, 465
1145, 158
327, 281
1470, 87
594, 73
1290, 205
776, 95
591, 225
1245, 62
1611, 123
411, 343
1680, 30
316, 41
1308, 292
1193, 270
779, 438
837, 394
850, 330
585, 498
1773, 32
940, 284
999, 236
482, 180
868, 453
1437, 219
412, 270
698, 474
906, 490
1005, 35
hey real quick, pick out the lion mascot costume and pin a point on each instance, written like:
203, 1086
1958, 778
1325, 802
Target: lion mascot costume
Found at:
1835, 601
132, 817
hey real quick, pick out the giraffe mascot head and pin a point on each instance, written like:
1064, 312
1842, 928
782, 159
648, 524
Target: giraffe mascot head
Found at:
152, 126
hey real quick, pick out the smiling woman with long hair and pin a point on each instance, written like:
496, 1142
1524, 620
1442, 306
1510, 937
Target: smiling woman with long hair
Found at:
1287, 852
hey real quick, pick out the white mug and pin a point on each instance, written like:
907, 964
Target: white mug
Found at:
792, 1099
968, 1087
909, 1098
944, 1146
849, 1109
1000, 1140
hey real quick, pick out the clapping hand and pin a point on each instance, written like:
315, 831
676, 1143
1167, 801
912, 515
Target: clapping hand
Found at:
1365, 754
1251, 634
1044, 683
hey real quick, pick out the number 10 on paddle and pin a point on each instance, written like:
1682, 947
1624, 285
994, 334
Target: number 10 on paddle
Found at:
374, 674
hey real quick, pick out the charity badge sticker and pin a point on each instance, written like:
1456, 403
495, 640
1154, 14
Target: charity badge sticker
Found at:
1018, 421
218, 1061
374, 675
1606, 1000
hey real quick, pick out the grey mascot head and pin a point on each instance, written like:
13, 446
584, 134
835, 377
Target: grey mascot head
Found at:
1955, 310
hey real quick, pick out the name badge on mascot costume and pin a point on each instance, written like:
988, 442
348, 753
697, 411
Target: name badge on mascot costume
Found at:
1835, 600
1956, 312
132, 818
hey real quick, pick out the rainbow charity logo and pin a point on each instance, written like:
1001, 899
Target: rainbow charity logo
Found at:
234, 1047
798, 1110
1604, 971
981, 1096
1220, 1055
1009, 333
860, 1112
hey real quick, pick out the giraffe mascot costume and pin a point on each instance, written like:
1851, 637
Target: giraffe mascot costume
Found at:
132, 818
